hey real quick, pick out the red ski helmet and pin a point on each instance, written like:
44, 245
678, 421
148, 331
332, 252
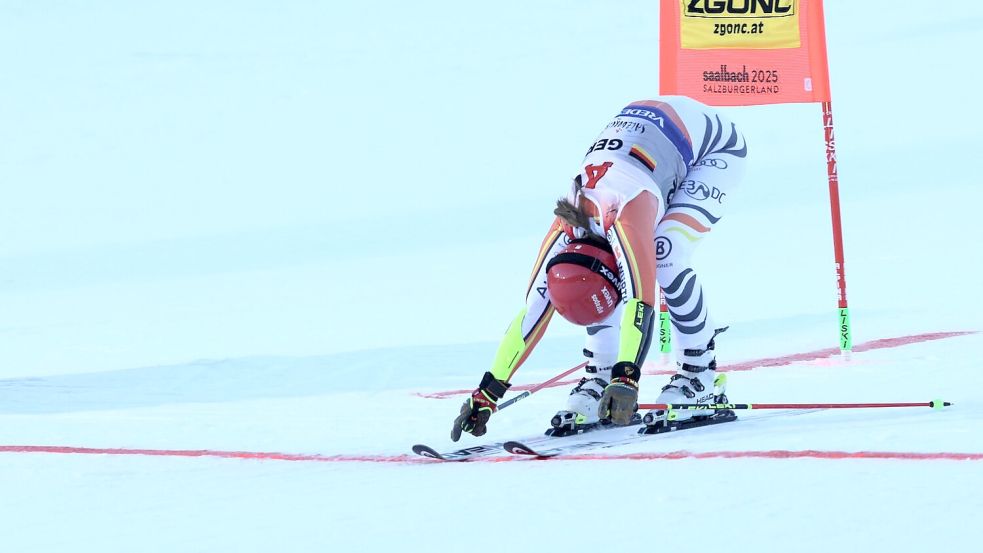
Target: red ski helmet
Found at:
583, 282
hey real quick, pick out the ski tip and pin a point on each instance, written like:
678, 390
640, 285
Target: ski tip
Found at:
939, 404
518, 448
426, 451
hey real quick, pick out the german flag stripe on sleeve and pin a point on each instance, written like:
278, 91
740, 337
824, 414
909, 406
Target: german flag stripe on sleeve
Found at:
643, 157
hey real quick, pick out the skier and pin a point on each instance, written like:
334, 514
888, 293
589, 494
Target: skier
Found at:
651, 186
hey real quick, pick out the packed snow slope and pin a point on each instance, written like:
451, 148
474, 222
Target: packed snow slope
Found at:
240, 243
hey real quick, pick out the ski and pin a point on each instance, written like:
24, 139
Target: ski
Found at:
663, 426
490, 449
547, 446
520, 448
463, 454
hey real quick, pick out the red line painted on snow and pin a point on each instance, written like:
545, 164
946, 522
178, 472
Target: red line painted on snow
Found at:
413, 459
256, 455
826, 353
780, 361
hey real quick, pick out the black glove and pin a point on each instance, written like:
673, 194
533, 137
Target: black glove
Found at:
620, 399
479, 407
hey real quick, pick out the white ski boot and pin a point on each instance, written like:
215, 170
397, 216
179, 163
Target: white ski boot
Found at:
581, 408
695, 382
689, 386
662, 420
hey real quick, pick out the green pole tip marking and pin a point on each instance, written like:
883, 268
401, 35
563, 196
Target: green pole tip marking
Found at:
665, 336
939, 404
846, 333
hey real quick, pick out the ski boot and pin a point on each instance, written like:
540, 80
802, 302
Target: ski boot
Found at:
581, 409
660, 420
696, 382
690, 385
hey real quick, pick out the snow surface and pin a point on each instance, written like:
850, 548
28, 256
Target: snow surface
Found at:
252, 227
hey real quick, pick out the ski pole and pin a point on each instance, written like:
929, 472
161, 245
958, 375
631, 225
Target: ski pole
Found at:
934, 404
540, 386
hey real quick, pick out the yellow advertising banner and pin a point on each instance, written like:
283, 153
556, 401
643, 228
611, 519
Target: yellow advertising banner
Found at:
739, 24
